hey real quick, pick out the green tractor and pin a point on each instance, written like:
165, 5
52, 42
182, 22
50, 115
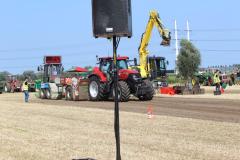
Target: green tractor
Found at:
205, 79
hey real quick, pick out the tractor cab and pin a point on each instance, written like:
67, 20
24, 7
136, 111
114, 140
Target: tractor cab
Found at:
11, 78
106, 66
52, 68
106, 63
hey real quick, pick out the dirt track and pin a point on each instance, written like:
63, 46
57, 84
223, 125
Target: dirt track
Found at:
206, 109
47, 129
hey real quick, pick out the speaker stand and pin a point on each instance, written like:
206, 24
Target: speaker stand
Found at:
116, 100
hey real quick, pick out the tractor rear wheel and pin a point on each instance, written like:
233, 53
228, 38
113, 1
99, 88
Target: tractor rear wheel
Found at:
69, 94
6, 88
42, 94
123, 91
96, 90
48, 94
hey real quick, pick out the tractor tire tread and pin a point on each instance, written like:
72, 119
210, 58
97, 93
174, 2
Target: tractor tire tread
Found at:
125, 91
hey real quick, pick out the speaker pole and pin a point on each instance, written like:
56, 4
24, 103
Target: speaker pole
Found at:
116, 100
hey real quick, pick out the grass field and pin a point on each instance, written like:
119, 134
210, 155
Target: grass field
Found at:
37, 131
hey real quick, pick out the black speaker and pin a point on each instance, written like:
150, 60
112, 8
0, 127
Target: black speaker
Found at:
112, 18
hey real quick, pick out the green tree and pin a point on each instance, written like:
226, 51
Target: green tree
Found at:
3, 75
189, 60
30, 74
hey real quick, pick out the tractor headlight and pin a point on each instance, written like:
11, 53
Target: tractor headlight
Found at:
135, 77
57, 80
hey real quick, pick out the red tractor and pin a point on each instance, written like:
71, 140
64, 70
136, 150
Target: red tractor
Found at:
12, 84
130, 81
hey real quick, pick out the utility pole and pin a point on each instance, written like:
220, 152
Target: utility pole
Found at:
188, 31
176, 40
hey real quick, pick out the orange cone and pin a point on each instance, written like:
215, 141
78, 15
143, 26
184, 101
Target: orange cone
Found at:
150, 112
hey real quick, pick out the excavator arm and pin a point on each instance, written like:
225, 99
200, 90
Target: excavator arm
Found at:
154, 20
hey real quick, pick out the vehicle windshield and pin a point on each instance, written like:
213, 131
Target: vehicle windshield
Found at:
53, 70
107, 65
159, 65
122, 64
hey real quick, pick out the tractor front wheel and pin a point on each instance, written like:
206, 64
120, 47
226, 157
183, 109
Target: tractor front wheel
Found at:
42, 94
149, 95
48, 94
69, 94
123, 91
6, 88
96, 90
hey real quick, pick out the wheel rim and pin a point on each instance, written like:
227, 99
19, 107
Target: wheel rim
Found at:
42, 94
68, 95
48, 94
5, 89
93, 89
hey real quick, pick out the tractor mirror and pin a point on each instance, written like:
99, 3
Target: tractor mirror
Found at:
167, 62
135, 61
40, 68
62, 69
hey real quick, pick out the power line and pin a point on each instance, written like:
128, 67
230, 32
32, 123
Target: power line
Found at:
211, 30
216, 40
59, 47
40, 48
70, 62
219, 50
218, 30
72, 54
212, 40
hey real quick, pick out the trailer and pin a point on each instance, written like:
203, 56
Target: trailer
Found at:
56, 84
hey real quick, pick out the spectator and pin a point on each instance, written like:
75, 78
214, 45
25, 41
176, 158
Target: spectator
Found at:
25, 89
217, 80
232, 78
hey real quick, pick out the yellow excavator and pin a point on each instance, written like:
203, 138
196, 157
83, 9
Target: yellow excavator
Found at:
153, 67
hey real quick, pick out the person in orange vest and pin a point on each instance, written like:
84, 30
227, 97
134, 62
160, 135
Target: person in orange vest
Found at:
25, 89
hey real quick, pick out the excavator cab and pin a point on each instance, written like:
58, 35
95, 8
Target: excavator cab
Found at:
158, 67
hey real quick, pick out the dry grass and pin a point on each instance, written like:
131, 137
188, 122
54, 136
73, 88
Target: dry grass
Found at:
46, 132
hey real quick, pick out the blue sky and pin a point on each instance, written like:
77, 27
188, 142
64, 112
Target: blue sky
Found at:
31, 29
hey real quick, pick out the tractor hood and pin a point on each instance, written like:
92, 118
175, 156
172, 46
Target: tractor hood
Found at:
124, 73
129, 71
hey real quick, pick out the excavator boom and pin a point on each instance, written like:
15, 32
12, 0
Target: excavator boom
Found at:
154, 21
